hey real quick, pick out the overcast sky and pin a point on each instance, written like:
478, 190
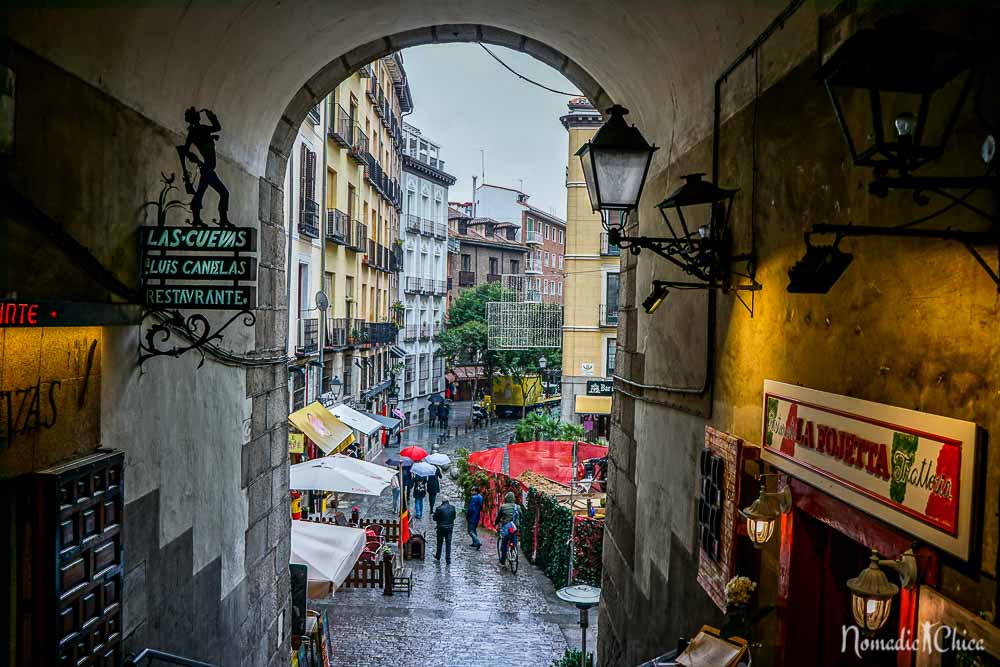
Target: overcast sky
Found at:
466, 101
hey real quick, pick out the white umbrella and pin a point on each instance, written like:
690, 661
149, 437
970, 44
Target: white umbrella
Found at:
340, 474
421, 469
438, 459
329, 551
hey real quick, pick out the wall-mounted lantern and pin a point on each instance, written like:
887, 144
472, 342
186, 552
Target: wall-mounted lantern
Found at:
894, 71
872, 592
764, 511
615, 163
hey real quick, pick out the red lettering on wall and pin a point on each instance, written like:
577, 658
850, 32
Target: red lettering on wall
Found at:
18, 314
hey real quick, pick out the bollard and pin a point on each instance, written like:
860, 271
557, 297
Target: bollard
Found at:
387, 573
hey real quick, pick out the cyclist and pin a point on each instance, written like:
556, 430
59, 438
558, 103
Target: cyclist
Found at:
508, 517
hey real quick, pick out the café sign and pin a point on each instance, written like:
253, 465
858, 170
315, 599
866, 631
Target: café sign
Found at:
913, 470
600, 387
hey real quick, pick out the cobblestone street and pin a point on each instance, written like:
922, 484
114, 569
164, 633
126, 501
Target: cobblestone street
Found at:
468, 613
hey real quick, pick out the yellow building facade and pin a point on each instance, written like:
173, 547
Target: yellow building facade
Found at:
590, 299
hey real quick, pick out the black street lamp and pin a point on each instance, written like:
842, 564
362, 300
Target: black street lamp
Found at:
615, 163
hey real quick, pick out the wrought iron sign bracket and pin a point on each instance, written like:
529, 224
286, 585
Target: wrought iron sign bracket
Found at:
195, 329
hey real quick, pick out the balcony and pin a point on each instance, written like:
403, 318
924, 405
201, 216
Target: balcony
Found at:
307, 340
425, 331
359, 145
534, 237
533, 266
341, 128
314, 116
440, 230
609, 249
412, 223
426, 227
309, 219
396, 259
466, 278
412, 285
410, 334
372, 91
338, 226
337, 331
492, 277
438, 328
359, 333
370, 258
382, 333
360, 236
609, 315
533, 296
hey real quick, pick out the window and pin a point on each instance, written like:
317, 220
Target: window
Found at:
546, 260
545, 230
611, 293
560, 261
560, 289
463, 226
612, 350
515, 266
490, 229
494, 265
511, 234
298, 391
545, 287
303, 287
466, 262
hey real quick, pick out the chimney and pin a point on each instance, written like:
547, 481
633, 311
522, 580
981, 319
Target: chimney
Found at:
475, 199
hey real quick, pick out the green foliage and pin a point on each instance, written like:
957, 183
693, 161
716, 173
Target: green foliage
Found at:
470, 306
464, 343
540, 425
571, 658
553, 539
468, 479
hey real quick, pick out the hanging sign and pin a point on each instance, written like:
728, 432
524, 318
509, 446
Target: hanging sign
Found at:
600, 387
296, 443
913, 470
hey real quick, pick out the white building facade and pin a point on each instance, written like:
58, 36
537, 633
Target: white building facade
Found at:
424, 284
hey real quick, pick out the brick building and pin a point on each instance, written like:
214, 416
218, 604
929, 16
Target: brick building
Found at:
545, 237
481, 250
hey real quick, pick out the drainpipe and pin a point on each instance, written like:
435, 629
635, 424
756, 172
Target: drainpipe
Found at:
291, 222
322, 245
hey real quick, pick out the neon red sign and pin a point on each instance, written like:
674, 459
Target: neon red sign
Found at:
20, 314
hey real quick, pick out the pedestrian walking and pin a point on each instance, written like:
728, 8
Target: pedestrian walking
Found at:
433, 488
407, 484
473, 513
445, 519
443, 413
395, 494
419, 491
432, 413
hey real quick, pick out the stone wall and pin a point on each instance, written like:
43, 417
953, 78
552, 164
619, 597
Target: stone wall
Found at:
910, 323
206, 472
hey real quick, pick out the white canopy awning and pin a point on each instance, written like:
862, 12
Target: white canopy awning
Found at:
340, 474
328, 551
355, 419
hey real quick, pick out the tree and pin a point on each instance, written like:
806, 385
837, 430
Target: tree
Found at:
470, 305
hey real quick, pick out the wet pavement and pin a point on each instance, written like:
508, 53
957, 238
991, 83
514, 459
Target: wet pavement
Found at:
468, 613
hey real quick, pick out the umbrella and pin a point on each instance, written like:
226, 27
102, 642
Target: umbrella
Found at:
436, 398
413, 452
328, 551
396, 461
438, 459
422, 469
340, 474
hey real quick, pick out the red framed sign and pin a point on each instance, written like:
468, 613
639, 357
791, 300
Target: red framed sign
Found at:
913, 470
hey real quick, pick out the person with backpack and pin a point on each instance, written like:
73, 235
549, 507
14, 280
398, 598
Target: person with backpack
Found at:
419, 491
433, 488
473, 512
508, 519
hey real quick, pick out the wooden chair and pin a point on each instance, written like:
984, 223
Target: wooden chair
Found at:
402, 577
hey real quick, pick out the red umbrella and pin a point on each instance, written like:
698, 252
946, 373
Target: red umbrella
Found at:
414, 452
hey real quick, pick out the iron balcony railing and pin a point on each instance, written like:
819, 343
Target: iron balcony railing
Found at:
438, 328
359, 334
466, 278
533, 265
396, 259
426, 227
492, 277
307, 341
341, 128
382, 333
412, 285
410, 333
370, 258
337, 330
372, 91
440, 287
609, 315
360, 236
309, 219
609, 249
412, 223
440, 230
359, 145
314, 115
337, 226
534, 237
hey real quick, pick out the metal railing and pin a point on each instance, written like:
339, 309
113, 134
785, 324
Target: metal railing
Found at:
492, 277
337, 330
533, 236
412, 223
309, 219
426, 227
359, 145
440, 230
466, 278
609, 315
609, 249
412, 285
440, 286
341, 128
338, 226
410, 333
147, 657
360, 236
425, 331
307, 341
533, 265
382, 333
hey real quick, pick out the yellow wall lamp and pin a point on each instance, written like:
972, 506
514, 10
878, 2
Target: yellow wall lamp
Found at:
872, 592
764, 511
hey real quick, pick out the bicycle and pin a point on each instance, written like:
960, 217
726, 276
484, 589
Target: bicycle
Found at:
512, 557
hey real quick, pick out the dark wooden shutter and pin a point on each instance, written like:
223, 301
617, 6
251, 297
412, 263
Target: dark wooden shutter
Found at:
310, 175
303, 170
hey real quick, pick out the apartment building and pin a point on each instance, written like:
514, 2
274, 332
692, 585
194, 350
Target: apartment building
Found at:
423, 288
344, 222
590, 297
485, 250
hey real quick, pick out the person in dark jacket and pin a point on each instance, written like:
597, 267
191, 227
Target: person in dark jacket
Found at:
407, 484
433, 488
508, 520
473, 513
419, 491
444, 516
443, 413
